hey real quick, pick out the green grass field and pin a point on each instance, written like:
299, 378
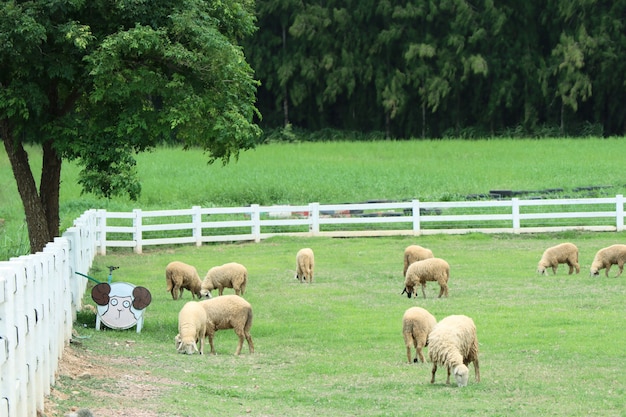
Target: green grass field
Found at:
548, 345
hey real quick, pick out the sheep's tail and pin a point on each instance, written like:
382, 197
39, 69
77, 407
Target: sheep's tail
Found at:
168, 279
248, 324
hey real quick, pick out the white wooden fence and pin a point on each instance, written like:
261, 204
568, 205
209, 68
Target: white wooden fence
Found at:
199, 225
40, 294
39, 297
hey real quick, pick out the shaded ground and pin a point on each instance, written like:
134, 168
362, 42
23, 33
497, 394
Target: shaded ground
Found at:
122, 384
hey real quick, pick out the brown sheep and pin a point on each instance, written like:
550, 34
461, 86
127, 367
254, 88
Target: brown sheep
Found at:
417, 324
180, 276
565, 253
414, 253
230, 275
432, 269
229, 312
305, 264
607, 257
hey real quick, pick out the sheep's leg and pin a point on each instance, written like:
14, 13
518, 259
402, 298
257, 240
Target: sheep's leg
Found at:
423, 291
182, 289
210, 335
202, 345
239, 344
250, 343
175, 292
448, 379
476, 370
408, 353
554, 268
220, 290
418, 352
606, 271
434, 371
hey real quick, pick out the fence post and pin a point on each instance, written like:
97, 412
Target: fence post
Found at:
415, 207
619, 212
255, 216
314, 218
196, 219
101, 231
137, 236
515, 212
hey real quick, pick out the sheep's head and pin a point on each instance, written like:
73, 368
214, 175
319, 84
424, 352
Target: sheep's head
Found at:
206, 294
408, 291
188, 348
461, 375
541, 269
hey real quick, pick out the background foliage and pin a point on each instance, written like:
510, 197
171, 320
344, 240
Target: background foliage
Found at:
442, 68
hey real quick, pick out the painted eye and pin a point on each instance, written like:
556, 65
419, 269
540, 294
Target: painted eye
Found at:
114, 301
126, 304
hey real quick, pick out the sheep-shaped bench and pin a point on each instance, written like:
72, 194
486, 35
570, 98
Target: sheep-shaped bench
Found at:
432, 269
607, 257
180, 276
305, 264
229, 312
414, 253
231, 275
453, 343
192, 324
417, 323
565, 253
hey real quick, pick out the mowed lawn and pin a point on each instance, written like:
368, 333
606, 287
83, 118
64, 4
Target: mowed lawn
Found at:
549, 345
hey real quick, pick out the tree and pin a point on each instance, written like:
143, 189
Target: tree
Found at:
97, 81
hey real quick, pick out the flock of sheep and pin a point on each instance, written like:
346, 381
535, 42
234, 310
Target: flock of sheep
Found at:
452, 342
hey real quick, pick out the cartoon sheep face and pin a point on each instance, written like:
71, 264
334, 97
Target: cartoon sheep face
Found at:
120, 305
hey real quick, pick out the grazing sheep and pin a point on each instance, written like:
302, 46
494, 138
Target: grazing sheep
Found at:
453, 343
180, 276
565, 253
229, 312
414, 253
230, 275
607, 257
431, 269
305, 262
417, 323
192, 324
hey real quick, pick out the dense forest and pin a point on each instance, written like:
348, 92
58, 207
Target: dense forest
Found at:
442, 68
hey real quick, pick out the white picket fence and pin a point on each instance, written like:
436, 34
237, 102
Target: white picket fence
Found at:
39, 297
199, 225
40, 293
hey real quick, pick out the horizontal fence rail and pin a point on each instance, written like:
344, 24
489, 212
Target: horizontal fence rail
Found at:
39, 297
200, 225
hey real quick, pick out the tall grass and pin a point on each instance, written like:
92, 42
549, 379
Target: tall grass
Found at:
337, 172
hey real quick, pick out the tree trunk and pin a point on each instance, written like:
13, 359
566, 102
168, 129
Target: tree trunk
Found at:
49, 187
36, 221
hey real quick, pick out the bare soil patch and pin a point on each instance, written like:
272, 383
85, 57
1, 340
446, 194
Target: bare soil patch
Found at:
124, 384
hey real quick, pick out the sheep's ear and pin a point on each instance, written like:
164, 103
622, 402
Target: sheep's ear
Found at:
403, 291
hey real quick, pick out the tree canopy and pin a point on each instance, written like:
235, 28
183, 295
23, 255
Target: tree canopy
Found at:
438, 68
98, 81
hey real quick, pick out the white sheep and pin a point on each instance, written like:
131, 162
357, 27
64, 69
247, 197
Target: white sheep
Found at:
607, 257
180, 276
453, 343
565, 253
414, 253
417, 324
229, 312
305, 263
230, 275
192, 322
431, 269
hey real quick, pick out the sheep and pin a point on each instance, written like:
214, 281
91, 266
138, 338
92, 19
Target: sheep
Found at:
229, 312
453, 343
431, 269
230, 275
180, 276
414, 253
305, 263
565, 253
192, 322
607, 257
417, 323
